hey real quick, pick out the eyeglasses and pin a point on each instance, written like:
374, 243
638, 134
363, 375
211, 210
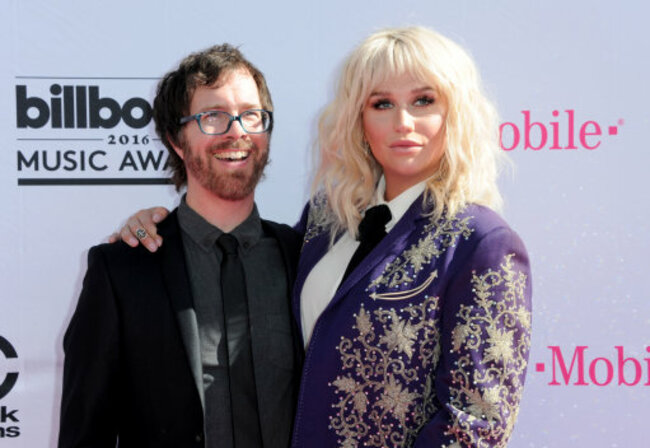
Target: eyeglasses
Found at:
217, 122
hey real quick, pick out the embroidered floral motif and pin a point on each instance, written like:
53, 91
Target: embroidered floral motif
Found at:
396, 399
316, 219
382, 398
495, 329
438, 236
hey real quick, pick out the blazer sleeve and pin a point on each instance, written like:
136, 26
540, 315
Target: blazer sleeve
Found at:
89, 414
485, 342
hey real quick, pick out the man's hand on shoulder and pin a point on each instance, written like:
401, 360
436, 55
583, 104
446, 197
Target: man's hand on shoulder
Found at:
141, 228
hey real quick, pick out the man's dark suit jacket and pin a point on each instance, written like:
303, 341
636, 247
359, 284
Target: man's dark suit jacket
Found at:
133, 367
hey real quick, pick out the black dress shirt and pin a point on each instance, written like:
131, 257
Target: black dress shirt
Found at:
263, 266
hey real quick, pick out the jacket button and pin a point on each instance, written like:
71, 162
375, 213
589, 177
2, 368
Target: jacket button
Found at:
198, 438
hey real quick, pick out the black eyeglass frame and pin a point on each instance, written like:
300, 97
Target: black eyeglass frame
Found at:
200, 115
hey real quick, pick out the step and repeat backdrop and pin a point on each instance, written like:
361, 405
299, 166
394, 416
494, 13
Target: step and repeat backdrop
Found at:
79, 154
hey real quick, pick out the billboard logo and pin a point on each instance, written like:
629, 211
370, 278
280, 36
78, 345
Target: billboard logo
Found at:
8, 416
87, 131
563, 132
79, 107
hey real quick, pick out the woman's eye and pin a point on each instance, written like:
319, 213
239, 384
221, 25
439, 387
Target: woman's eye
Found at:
382, 104
424, 101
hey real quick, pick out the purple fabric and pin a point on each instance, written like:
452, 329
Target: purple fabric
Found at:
425, 343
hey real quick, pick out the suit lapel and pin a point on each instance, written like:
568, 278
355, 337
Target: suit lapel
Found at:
178, 287
289, 241
312, 252
391, 246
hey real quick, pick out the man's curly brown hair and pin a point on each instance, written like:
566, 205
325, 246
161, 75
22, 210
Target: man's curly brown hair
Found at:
175, 90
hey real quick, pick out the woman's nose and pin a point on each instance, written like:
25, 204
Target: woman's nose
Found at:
403, 120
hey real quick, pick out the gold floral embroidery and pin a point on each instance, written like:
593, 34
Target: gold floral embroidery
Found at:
496, 329
316, 219
438, 236
382, 399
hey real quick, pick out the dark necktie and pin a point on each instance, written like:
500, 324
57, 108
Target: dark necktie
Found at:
236, 331
372, 229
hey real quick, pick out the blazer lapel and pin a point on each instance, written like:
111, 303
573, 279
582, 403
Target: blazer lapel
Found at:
178, 286
389, 246
289, 241
312, 252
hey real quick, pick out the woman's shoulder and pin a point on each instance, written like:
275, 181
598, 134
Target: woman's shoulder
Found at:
472, 225
315, 217
482, 220
490, 231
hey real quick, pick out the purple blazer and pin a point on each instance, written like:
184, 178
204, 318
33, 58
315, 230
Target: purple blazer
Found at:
426, 342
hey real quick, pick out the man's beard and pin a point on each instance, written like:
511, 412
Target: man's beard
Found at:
229, 185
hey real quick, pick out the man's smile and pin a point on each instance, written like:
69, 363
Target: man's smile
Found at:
232, 156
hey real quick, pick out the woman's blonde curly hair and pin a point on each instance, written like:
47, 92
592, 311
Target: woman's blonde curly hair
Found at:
347, 173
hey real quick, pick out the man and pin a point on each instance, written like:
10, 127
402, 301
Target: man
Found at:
193, 345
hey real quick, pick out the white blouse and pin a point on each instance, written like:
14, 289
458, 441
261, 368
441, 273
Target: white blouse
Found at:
324, 279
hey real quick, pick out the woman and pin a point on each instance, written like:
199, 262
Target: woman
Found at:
425, 342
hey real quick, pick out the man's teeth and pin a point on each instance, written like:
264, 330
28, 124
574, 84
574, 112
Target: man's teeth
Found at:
232, 156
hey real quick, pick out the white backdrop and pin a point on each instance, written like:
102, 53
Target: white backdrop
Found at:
582, 212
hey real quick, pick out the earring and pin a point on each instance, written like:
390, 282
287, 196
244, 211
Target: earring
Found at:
366, 147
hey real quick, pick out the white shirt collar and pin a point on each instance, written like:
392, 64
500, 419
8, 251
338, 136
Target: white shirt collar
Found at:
400, 204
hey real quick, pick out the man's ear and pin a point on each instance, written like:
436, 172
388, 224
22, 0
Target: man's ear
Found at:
177, 148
